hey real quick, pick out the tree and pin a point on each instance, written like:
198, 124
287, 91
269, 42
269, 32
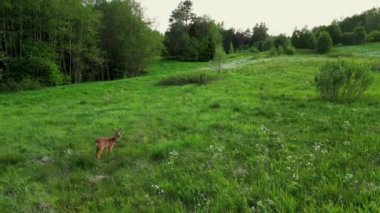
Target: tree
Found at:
281, 40
324, 42
361, 34
128, 42
183, 14
349, 38
218, 58
304, 39
231, 49
189, 37
259, 34
228, 38
335, 32
267, 44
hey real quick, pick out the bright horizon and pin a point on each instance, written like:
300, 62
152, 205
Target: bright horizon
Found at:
279, 16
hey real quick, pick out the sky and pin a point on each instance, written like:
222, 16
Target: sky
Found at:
280, 16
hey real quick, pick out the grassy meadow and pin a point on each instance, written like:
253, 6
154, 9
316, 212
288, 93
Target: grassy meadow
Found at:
256, 139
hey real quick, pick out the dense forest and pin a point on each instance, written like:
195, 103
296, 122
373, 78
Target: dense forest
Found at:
54, 42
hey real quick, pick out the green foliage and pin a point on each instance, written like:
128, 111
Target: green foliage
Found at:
219, 57
361, 34
253, 50
304, 39
289, 50
129, 43
356, 37
10, 158
191, 38
29, 84
324, 42
268, 44
343, 81
273, 51
36, 68
369, 19
281, 40
240, 144
374, 36
231, 49
335, 32
350, 38
259, 34
375, 66
280, 50
60, 41
199, 78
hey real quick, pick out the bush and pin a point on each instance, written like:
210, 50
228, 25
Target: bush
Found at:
360, 34
199, 78
219, 57
335, 32
281, 40
324, 42
36, 68
29, 84
349, 39
253, 50
290, 50
267, 44
343, 81
273, 51
304, 39
280, 50
374, 36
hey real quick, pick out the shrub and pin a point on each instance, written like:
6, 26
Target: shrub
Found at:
290, 50
343, 81
231, 49
335, 32
280, 50
29, 84
199, 78
349, 39
374, 36
281, 40
361, 34
304, 39
253, 50
324, 42
273, 51
267, 44
219, 56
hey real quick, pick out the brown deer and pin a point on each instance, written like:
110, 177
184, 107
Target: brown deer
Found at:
102, 143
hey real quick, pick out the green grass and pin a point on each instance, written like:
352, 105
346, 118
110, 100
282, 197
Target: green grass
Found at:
257, 138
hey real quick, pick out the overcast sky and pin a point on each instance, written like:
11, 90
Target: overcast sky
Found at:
281, 16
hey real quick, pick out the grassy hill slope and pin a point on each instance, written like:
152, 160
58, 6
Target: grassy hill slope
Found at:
256, 138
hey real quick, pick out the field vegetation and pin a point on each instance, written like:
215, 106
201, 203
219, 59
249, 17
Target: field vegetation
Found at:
257, 138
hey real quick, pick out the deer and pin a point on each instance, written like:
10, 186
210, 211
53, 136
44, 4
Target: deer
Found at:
102, 143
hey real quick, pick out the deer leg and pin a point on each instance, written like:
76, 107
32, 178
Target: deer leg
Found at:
100, 152
97, 152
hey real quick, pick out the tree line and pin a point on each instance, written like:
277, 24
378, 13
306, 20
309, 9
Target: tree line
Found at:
364, 27
52, 42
